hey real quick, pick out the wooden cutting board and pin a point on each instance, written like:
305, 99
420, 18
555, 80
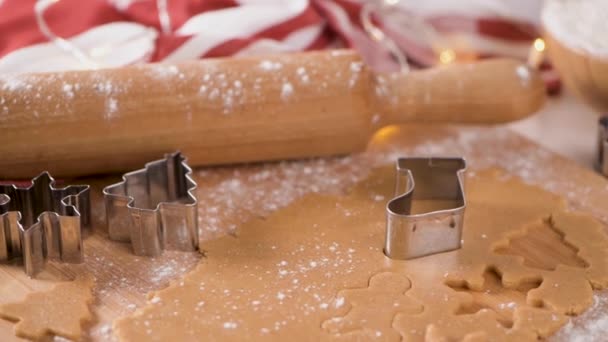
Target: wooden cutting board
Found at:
230, 196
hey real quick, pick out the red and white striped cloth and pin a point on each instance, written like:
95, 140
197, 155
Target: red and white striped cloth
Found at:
56, 35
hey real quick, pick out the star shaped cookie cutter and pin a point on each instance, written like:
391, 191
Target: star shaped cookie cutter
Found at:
440, 180
154, 208
603, 146
40, 222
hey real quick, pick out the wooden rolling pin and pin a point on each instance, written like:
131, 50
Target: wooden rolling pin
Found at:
219, 111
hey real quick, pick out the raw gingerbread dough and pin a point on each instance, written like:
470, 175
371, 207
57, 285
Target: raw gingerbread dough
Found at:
60, 311
316, 271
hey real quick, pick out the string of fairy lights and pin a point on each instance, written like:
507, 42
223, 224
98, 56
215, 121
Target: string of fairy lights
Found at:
444, 55
91, 58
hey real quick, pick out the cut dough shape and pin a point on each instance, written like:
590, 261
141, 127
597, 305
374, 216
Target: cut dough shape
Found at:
544, 235
61, 311
286, 276
374, 307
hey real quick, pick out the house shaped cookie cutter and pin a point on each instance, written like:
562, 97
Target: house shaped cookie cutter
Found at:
411, 235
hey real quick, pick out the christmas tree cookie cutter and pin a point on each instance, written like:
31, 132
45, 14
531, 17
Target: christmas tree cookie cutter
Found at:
40, 222
154, 208
411, 235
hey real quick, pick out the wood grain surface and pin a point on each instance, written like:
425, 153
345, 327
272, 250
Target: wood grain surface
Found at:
122, 279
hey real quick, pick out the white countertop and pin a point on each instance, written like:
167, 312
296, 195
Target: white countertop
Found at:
566, 126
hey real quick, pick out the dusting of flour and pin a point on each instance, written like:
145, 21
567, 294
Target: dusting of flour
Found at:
230, 196
592, 325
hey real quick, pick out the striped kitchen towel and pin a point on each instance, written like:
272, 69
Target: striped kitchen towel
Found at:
53, 35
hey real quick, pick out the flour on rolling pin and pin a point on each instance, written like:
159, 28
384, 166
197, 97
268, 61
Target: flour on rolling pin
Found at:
32, 87
578, 24
234, 110
213, 85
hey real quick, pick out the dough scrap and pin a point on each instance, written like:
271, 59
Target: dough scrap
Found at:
61, 311
288, 276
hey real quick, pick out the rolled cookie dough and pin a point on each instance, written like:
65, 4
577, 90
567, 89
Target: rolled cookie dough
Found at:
60, 311
315, 270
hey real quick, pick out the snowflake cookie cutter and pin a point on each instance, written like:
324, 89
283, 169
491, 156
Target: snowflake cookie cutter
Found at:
412, 235
154, 208
40, 222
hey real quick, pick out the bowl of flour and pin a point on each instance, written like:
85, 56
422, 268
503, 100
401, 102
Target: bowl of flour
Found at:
576, 32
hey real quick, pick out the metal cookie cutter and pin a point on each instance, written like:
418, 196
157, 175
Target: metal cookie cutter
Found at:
411, 235
603, 146
40, 222
154, 208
